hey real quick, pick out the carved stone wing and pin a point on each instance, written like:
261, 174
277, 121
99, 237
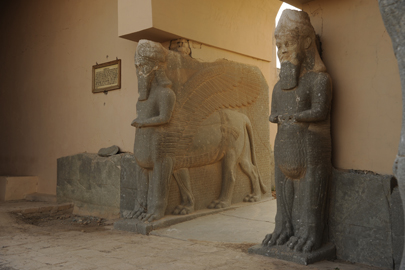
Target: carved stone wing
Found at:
222, 84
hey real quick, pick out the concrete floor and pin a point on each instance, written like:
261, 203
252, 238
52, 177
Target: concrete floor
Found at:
248, 223
218, 241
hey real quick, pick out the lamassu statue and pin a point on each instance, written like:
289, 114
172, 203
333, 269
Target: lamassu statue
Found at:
194, 127
301, 108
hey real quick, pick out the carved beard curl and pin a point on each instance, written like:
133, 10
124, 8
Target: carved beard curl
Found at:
144, 85
289, 75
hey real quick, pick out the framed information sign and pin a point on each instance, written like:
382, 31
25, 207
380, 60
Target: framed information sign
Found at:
107, 76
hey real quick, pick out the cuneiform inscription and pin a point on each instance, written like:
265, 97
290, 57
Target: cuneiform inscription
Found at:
107, 76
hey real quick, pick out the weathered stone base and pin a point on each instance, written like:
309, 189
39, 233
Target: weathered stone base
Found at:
133, 225
140, 227
326, 252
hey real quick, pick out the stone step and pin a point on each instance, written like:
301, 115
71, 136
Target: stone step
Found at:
41, 197
41, 208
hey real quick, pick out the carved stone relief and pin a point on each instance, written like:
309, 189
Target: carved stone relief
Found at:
192, 114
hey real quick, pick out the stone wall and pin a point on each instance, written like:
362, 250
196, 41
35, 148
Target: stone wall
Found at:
366, 218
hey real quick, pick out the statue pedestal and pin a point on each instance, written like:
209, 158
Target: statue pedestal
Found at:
326, 252
141, 227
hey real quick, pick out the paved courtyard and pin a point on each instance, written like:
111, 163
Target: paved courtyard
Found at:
217, 241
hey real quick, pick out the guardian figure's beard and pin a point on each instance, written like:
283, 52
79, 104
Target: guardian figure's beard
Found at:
144, 85
289, 75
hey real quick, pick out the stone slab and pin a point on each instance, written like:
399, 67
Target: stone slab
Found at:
39, 208
326, 252
91, 182
133, 225
108, 151
140, 227
41, 197
360, 217
17, 187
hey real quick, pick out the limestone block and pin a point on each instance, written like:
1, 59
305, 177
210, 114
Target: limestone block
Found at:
360, 217
17, 187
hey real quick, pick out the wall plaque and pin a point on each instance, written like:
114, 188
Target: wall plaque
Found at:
107, 76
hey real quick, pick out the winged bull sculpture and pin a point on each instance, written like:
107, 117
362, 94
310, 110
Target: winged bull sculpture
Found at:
198, 127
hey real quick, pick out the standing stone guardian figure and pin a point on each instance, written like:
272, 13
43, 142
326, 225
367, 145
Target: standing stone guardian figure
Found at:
300, 107
154, 109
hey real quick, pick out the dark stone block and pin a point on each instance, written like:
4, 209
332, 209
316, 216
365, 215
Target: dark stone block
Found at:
326, 252
68, 168
128, 171
90, 181
397, 227
85, 170
106, 171
355, 194
360, 219
127, 199
363, 245
133, 225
